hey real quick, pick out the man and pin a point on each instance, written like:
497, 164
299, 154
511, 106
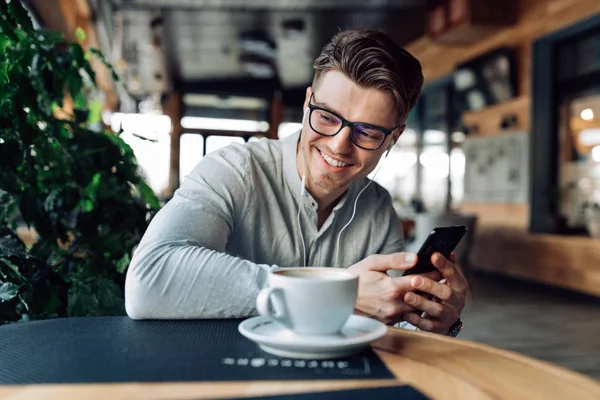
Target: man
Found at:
304, 200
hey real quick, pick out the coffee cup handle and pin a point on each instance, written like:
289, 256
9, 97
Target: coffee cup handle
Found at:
263, 305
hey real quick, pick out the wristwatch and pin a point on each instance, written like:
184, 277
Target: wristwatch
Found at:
456, 328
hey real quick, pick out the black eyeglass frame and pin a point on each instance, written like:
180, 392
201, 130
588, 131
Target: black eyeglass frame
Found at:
345, 122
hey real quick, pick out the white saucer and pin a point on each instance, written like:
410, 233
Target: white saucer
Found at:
276, 339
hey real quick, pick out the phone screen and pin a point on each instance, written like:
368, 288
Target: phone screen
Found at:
442, 240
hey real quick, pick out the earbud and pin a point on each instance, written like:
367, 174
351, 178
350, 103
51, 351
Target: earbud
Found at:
304, 115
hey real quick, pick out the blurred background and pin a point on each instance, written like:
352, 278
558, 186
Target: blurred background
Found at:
505, 138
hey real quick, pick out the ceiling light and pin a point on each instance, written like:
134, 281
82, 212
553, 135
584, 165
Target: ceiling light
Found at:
596, 154
587, 114
589, 137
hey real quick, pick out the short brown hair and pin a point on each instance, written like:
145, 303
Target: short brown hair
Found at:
373, 60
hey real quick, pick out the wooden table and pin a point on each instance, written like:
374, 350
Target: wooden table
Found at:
441, 367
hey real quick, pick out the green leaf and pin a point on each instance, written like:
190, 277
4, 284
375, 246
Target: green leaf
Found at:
20, 15
52, 303
74, 84
95, 108
78, 55
15, 275
148, 196
86, 205
8, 291
4, 72
123, 263
29, 207
144, 138
95, 296
80, 99
80, 34
88, 69
100, 56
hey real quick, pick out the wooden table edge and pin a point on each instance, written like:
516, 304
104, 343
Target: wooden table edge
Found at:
564, 374
534, 362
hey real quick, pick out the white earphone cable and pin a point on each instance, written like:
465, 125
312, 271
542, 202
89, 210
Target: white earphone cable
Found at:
302, 192
300, 205
337, 245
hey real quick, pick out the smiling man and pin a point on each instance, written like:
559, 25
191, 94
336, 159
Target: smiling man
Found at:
305, 200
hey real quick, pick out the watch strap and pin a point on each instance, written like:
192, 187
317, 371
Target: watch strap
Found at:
456, 328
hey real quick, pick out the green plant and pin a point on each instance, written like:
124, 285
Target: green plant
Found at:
78, 188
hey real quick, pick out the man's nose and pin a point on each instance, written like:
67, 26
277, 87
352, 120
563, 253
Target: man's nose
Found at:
341, 143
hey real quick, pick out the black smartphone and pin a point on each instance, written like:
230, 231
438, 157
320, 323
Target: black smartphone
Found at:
442, 240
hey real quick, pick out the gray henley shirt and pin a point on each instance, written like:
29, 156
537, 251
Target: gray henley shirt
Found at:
208, 251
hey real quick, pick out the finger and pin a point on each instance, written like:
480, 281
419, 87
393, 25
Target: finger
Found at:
436, 289
403, 282
424, 324
398, 261
432, 308
459, 267
433, 275
448, 270
452, 257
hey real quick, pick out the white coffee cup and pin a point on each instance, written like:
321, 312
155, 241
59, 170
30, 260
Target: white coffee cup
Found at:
309, 300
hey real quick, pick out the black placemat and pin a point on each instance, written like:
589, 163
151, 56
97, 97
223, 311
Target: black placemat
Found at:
118, 349
381, 393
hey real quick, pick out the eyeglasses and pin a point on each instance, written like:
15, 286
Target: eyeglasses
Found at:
364, 135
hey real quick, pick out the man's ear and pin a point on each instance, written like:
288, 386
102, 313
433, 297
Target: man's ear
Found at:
399, 131
307, 98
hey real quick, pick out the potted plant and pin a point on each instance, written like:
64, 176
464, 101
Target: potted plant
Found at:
77, 188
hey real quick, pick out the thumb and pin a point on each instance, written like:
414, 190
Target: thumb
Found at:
399, 261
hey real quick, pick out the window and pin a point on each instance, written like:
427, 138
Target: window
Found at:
398, 173
214, 143
152, 154
190, 153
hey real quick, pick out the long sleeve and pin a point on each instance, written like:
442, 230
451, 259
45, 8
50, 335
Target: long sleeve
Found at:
394, 237
180, 268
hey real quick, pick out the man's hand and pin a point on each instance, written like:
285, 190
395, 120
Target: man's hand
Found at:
441, 312
380, 295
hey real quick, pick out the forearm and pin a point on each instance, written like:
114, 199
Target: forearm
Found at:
176, 279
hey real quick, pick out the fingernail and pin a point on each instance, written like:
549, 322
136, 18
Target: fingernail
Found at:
410, 257
417, 282
410, 298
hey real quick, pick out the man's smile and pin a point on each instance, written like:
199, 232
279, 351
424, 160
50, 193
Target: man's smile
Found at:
334, 161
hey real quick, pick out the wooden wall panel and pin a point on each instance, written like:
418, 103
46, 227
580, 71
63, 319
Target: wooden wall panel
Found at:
514, 215
570, 262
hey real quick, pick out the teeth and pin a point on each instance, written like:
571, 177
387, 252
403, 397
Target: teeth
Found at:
332, 162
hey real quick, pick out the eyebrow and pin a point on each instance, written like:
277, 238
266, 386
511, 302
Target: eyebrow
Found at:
327, 106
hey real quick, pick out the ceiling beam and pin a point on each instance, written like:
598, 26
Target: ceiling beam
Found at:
169, 48
261, 88
218, 132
